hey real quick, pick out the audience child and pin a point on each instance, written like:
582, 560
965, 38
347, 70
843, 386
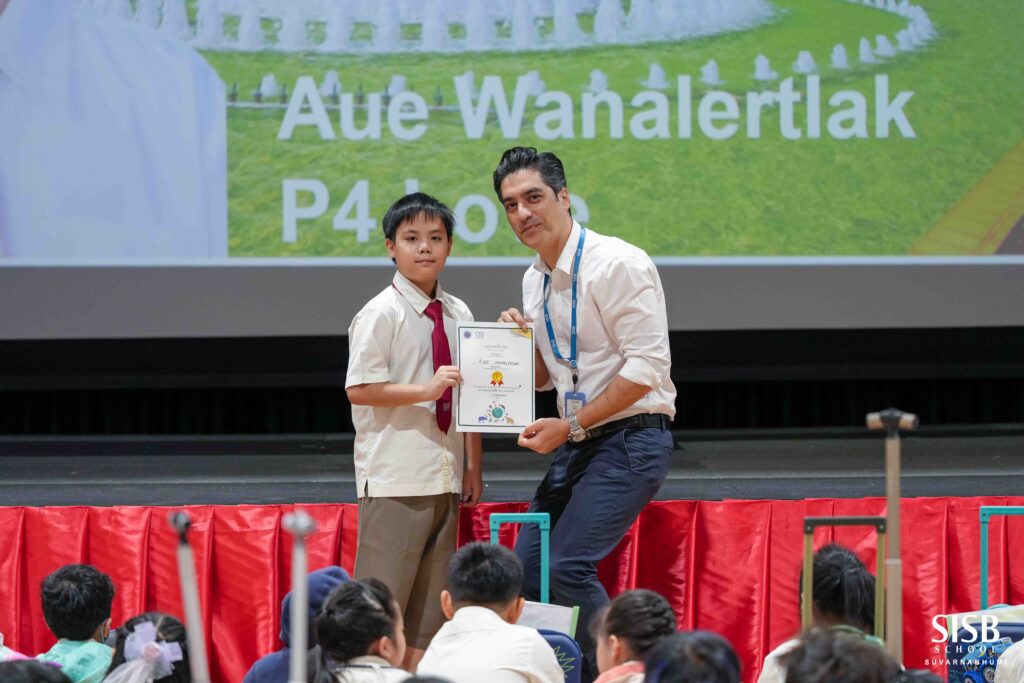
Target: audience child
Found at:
625, 632
843, 599
76, 605
827, 656
481, 641
361, 635
692, 657
273, 668
31, 671
408, 455
150, 647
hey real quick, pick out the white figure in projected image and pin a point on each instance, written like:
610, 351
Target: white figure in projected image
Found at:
113, 139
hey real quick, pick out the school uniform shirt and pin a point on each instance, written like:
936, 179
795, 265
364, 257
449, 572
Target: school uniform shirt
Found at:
1010, 665
83, 661
113, 139
621, 321
772, 671
478, 645
369, 669
401, 451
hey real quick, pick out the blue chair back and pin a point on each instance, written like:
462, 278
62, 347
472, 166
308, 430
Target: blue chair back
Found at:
568, 653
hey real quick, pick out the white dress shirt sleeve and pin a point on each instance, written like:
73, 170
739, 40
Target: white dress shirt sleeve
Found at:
545, 663
369, 348
632, 304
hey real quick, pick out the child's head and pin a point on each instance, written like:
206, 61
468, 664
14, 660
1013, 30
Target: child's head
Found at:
31, 671
167, 633
484, 575
630, 626
692, 656
359, 618
836, 657
843, 589
76, 602
418, 235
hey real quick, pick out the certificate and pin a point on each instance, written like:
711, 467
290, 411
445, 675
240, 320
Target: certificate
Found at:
497, 390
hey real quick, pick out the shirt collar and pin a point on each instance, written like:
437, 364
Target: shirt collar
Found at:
473, 616
564, 262
416, 298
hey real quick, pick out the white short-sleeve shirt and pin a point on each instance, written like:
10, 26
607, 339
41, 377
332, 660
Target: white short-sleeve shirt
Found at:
622, 326
478, 645
401, 451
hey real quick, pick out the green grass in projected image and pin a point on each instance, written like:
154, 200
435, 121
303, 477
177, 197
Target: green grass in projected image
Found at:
740, 196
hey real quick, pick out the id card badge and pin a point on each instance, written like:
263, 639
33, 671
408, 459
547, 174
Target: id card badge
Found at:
574, 400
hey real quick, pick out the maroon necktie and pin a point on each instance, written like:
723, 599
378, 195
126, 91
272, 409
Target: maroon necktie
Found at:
442, 356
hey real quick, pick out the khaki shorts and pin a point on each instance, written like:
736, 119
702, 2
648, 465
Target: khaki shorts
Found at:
406, 542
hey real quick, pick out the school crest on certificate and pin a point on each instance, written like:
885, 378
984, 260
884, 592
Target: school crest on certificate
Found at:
497, 390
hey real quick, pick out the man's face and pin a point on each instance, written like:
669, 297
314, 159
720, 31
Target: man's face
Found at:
539, 217
420, 249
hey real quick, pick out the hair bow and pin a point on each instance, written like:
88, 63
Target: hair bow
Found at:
142, 644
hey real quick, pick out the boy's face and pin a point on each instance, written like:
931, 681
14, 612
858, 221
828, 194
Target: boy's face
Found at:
420, 249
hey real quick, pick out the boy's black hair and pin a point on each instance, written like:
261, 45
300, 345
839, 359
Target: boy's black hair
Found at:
639, 617
843, 587
168, 629
484, 574
826, 656
76, 601
517, 159
413, 205
692, 657
31, 671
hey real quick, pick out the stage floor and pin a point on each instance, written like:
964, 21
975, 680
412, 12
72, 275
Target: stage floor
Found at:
775, 465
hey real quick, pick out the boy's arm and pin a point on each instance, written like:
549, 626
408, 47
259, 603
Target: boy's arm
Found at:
390, 395
473, 476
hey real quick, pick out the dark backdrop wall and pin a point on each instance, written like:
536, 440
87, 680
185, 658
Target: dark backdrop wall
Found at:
727, 380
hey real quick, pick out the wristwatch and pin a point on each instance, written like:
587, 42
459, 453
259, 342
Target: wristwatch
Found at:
576, 432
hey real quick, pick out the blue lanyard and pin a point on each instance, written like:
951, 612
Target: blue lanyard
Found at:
572, 330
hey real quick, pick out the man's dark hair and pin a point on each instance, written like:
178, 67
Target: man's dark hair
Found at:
168, 629
826, 656
76, 601
843, 588
31, 671
692, 657
412, 206
528, 158
639, 617
484, 574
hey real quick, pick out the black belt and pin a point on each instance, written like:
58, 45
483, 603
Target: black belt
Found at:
643, 421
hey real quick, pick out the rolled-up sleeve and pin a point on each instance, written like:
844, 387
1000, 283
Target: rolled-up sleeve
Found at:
369, 348
632, 304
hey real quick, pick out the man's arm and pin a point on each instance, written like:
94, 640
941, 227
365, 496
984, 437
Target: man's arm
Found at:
390, 395
545, 435
473, 476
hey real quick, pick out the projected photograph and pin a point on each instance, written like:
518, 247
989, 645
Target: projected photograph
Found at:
690, 127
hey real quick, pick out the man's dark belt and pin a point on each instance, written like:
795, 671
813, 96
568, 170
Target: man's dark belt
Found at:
643, 421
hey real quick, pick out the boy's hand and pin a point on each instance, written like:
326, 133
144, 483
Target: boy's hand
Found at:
472, 487
513, 315
545, 435
446, 377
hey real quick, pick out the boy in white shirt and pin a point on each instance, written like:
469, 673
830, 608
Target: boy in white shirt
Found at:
482, 642
408, 457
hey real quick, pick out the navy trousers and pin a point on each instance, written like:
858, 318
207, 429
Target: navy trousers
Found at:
593, 491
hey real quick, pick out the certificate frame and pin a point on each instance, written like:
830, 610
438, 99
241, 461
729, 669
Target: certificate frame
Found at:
494, 407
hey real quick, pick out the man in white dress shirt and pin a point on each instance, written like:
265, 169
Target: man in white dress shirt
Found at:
481, 641
602, 343
113, 139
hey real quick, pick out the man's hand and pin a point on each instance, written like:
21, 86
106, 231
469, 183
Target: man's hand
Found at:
513, 315
446, 377
544, 436
472, 486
